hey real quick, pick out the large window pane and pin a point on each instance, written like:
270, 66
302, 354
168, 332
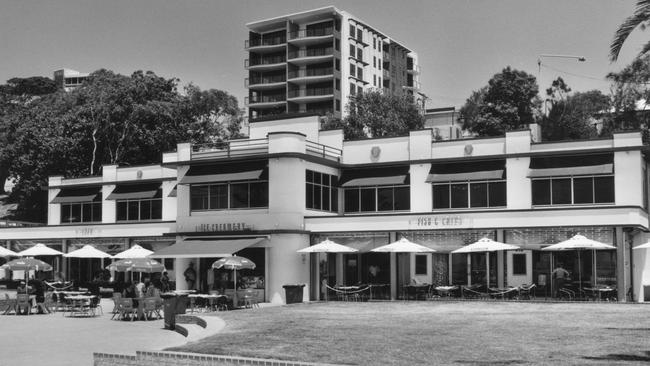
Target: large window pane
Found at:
497, 194
351, 197
385, 199
309, 195
317, 197
441, 196
519, 264
65, 213
145, 210
335, 199
199, 197
156, 209
86, 212
561, 191
239, 195
219, 197
75, 214
478, 193
309, 176
133, 210
121, 210
459, 195
97, 211
604, 189
259, 194
402, 198
368, 199
583, 191
326, 198
541, 191
421, 264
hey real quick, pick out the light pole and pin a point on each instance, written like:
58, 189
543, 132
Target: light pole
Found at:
545, 55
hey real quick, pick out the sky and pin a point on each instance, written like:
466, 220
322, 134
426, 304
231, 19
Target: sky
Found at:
461, 44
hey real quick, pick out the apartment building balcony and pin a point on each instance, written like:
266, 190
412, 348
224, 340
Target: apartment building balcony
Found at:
265, 101
270, 45
386, 74
312, 56
385, 55
265, 82
265, 63
310, 95
415, 85
311, 76
255, 147
306, 37
413, 69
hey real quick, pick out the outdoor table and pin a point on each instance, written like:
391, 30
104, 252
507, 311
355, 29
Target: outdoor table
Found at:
80, 304
378, 287
445, 290
416, 290
598, 291
502, 291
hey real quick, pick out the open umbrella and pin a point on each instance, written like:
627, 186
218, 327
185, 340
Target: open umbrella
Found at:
234, 263
327, 246
578, 242
486, 245
87, 251
26, 265
403, 246
643, 246
4, 252
135, 251
38, 250
146, 265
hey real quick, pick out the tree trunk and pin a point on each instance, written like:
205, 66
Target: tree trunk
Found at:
92, 163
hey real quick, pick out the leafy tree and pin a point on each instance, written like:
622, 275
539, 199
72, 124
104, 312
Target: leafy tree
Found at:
35, 85
629, 90
374, 114
509, 102
574, 116
215, 115
639, 19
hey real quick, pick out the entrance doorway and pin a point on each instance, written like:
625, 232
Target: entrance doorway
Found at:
520, 267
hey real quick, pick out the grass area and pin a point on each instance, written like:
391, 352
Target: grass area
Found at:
437, 332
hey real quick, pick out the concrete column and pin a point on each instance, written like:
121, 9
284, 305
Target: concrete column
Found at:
622, 262
179, 267
393, 276
500, 261
339, 270
64, 260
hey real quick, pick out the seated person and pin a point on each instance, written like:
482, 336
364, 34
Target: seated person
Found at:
130, 292
152, 291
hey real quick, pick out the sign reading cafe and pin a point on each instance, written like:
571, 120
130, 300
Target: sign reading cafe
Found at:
222, 226
436, 221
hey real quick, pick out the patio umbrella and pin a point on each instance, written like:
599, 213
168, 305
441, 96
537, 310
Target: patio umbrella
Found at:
578, 242
643, 246
403, 246
88, 252
38, 250
327, 246
135, 251
26, 265
486, 245
146, 265
4, 252
234, 263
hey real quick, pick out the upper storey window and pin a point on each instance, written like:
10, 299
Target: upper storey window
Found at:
137, 202
80, 204
376, 189
321, 191
228, 186
572, 180
468, 185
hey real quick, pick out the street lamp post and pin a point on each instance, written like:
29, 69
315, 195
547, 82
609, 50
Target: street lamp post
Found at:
545, 55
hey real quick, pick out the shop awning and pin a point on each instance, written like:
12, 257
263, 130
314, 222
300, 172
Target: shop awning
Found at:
571, 165
135, 191
205, 248
72, 195
384, 176
225, 172
475, 170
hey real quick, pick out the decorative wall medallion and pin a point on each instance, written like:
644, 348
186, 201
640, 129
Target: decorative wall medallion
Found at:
374, 153
139, 174
468, 150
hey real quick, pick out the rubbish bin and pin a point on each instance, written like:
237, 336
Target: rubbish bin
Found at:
293, 293
181, 303
170, 302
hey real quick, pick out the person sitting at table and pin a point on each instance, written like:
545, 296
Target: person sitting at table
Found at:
152, 291
140, 288
38, 289
130, 292
22, 287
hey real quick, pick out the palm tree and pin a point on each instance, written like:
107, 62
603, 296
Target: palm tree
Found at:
640, 19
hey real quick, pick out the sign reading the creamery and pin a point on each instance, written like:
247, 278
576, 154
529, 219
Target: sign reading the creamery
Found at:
436, 221
222, 226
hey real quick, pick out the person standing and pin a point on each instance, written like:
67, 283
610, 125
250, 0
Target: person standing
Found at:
190, 276
164, 283
560, 275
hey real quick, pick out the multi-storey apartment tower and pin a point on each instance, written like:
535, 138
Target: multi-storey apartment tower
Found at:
312, 62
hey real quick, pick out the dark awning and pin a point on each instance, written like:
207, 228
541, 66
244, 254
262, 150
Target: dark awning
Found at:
135, 191
395, 175
225, 172
71, 195
205, 248
571, 165
475, 170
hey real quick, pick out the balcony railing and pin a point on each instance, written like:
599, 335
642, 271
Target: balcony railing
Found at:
413, 68
241, 148
275, 41
265, 99
265, 80
386, 74
318, 32
324, 151
311, 72
265, 61
311, 53
311, 92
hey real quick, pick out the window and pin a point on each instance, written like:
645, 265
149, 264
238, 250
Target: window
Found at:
337, 65
374, 61
353, 30
573, 190
374, 80
359, 90
322, 191
420, 264
377, 199
338, 105
337, 44
353, 88
224, 196
337, 84
360, 35
473, 194
81, 212
359, 73
374, 43
353, 70
139, 210
519, 264
359, 54
353, 51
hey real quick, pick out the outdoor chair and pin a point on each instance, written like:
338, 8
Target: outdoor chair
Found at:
95, 306
23, 303
250, 299
222, 303
527, 292
9, 304
126, 308
151, 308
116, 302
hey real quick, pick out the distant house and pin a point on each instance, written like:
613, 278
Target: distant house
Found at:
69, 79
444, 122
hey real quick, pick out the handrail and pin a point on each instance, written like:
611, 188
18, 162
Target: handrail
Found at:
227, 149
317, 32
315, 52
311, 72
310, 92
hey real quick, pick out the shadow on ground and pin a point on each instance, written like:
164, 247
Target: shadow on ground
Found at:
621, 357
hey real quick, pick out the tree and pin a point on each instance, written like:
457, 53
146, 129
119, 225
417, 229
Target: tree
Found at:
507, 103
639, 19
574, 116
629, 90
375, 114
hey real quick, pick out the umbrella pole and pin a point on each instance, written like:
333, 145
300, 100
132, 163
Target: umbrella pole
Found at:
487, 268
580, 272
234, 296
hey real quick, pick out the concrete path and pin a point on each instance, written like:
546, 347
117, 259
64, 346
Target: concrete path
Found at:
54, 339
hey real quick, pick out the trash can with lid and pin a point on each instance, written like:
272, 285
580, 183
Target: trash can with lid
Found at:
293, 293
169, 309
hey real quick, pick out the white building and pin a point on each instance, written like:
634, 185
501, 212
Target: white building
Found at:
69, 79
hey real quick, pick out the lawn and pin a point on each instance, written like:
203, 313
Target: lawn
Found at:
437, 332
